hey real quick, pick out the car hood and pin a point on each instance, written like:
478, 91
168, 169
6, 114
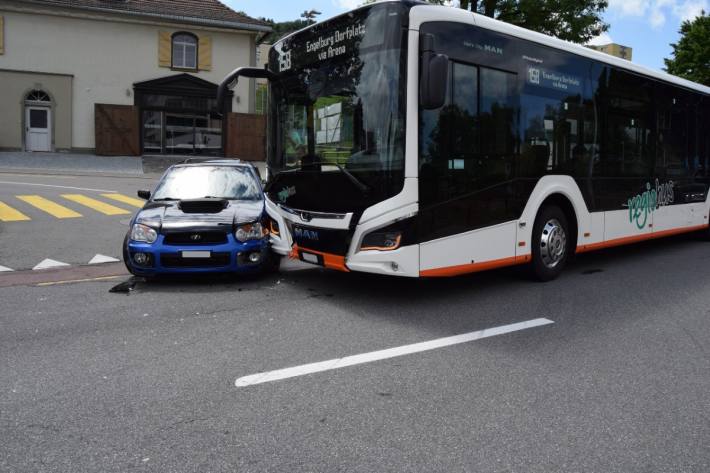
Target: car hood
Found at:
168, 216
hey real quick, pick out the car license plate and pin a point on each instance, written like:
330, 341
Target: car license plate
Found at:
196, 254
310, 258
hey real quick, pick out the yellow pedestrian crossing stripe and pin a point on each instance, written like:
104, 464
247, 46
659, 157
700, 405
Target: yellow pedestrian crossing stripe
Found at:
55, 209
8, 214
46, 205
97, 205
126, 200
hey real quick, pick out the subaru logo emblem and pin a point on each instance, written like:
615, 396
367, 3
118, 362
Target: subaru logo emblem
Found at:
306, 217
196, 237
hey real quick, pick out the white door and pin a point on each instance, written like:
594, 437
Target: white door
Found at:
38, 122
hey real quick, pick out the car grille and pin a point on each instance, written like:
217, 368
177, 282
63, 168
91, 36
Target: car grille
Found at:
175, 260
190, 238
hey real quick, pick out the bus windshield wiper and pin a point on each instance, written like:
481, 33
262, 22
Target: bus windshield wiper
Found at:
364, 188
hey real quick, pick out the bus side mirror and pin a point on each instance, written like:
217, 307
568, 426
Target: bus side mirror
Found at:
145, 195
434, 76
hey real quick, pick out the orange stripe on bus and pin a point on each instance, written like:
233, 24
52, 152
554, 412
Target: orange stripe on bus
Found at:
475, 267
638, 238
330, 261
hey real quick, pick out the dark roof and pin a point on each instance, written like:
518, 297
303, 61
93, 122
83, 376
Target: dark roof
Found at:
205, 12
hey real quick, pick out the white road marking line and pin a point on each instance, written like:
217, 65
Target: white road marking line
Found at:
72, 281
5, 269
98, 259
50, 263
57, 187
337, 363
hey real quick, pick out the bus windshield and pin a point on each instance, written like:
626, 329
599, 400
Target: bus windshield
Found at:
337, 115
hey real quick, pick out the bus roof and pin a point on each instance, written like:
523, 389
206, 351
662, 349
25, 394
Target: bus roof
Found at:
423, 14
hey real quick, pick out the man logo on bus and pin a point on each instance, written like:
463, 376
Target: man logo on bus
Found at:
641, 206
534, 75
304, 234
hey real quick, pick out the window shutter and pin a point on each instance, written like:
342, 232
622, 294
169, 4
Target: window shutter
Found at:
164, 49
2, 35
205, 52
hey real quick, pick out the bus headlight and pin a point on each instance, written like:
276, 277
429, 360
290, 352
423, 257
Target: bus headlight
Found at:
144, 233
381, 241
250, 231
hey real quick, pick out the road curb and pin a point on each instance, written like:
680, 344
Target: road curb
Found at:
62, 275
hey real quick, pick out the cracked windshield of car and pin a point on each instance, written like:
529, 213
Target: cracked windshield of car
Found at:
222, 182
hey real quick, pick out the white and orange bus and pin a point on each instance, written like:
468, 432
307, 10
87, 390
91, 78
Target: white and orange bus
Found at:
417, 140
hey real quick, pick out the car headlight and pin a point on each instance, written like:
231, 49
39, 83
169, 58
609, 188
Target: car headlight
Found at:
250, 231
141, 232
382, 241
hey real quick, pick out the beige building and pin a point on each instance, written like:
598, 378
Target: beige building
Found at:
137, 75
617, 50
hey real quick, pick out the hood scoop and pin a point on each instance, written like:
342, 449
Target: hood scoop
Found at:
203, 206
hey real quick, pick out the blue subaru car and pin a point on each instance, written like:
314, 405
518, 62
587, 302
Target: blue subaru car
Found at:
205, 217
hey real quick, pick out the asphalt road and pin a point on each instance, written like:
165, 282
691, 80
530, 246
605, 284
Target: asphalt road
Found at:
94, 381
75, 239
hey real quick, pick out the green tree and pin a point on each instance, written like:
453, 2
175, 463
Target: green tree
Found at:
283, 28
577, 21
691, 54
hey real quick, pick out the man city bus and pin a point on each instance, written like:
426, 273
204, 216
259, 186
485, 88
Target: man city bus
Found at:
418, 140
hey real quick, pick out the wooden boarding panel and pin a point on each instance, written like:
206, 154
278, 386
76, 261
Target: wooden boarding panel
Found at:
246, 136
117, 130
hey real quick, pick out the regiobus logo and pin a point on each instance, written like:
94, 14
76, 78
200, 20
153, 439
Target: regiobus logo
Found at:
641, 206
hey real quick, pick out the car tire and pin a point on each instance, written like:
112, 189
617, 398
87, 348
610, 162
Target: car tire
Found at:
272, 263
550, 243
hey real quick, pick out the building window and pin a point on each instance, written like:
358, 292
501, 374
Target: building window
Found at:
262, 98
38, 96
184, 51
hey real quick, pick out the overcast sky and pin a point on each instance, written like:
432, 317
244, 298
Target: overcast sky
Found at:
648, 26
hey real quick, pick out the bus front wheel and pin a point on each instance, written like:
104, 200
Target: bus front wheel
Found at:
550, 244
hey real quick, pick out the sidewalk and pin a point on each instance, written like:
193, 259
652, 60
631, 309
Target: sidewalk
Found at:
90, 163
70, 162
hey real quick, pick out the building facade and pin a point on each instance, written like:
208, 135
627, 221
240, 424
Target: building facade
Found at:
616, 50
138, 76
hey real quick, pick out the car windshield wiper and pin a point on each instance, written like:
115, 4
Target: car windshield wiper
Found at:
164, 199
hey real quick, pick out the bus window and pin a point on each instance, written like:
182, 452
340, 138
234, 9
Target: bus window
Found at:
627, 136
467, 149
470, 141
498, 112
703, 160
553, 139
672, 160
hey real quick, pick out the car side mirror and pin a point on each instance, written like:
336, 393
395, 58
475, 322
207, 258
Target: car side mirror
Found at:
434, 77
145, 195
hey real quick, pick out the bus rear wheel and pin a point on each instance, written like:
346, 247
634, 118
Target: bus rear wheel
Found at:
550, 243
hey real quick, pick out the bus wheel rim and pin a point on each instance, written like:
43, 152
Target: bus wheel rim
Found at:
553, 243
